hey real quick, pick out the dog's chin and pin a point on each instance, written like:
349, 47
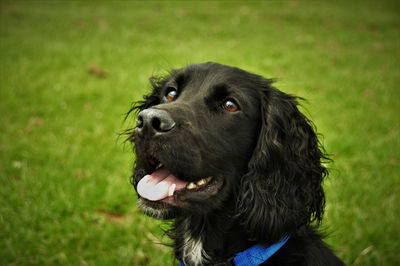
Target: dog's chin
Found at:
158, 210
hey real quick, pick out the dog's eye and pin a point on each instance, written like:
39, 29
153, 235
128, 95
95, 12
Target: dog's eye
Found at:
230, 106
171, 94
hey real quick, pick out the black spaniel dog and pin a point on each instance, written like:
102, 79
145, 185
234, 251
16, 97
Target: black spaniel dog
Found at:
235, 164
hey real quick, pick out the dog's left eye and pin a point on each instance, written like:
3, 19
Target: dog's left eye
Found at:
172, 94
230, 106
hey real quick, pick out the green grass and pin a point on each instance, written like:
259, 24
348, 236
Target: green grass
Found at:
65, 196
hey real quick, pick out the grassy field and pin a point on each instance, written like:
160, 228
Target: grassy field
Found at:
70, 70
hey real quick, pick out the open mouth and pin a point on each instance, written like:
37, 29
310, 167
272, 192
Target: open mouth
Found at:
163, 186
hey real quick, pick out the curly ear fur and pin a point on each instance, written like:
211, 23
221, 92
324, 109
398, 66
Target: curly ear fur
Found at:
282, 189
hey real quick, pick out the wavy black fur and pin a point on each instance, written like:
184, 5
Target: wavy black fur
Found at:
267, 154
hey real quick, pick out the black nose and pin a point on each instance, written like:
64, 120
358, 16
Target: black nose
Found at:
154, 121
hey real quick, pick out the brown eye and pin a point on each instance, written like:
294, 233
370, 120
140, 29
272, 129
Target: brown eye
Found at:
171, 94
230, 106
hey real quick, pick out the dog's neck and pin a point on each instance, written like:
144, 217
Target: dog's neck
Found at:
201, 239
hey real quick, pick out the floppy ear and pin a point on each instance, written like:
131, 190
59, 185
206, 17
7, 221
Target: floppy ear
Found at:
282, 189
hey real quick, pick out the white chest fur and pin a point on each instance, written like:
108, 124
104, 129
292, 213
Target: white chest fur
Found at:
193, 252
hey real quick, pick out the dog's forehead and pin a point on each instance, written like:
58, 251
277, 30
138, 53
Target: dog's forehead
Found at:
210, 73
208, 78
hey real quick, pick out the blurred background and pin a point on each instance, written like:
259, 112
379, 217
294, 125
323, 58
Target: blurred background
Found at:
69, 71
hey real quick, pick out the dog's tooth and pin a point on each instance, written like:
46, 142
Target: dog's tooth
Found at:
159, 165
202, 182
191, 185
171, 190
208, 179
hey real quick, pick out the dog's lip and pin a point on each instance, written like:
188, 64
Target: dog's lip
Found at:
163, 186
155, 163
184, 196
185, 191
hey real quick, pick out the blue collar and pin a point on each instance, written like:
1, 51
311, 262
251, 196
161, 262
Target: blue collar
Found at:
256, 254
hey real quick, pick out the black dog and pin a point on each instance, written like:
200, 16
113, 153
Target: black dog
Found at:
237, 166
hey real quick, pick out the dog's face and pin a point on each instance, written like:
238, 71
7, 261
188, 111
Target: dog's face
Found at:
194, 137
213, 139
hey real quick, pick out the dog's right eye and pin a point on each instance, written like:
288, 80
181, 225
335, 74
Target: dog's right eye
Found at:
171, 94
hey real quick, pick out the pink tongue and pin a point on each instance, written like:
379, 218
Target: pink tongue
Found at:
156, 186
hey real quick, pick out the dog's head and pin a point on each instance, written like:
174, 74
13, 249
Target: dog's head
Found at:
212, 138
